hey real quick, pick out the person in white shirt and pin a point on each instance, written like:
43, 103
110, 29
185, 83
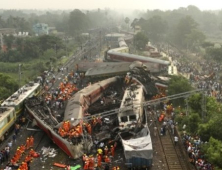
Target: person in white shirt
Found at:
176, 140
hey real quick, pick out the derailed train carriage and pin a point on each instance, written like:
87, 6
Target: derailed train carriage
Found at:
135, 134
114, 55
12, 107
137, 72
75, 110
17, 99
121, 54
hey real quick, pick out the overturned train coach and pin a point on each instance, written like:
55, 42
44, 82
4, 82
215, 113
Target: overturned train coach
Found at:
76, 107
115, 55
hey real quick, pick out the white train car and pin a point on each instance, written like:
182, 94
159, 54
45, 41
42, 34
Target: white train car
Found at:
7, 120
17, 99
131, 108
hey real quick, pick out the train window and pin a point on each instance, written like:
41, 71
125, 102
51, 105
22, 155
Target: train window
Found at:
8, 119
124, 119
132, 117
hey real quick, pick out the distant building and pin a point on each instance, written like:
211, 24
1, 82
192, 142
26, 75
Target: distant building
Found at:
52, 30
41, 29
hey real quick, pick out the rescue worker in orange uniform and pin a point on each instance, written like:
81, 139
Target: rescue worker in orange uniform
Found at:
89, 128
63, 133
28, 158
99, 160
23, 166
115, 168
91, 162
84, 158
112, 149
19, 151
16, 157
31, 141
13, 161
32, 152
86, 165
22, 148
70, 134
107, 160
94, 120
106, 150
68, 124
27, 143
79, 129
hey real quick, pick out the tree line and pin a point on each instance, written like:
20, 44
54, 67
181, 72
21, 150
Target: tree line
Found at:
199, 121
69, 22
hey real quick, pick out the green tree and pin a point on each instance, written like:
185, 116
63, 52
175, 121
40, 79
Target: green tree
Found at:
9, 41
207, 44
178, 84
46, 42
193, 122
194, 102
31, 48
8, 86
183, 29
2, 23
140, 40
195, 39
213, 152
214, 53
78, 22
155, 27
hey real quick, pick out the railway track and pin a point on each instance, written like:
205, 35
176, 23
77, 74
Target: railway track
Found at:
174, 156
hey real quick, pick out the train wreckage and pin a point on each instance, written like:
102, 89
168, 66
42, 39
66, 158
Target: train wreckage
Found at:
88, 116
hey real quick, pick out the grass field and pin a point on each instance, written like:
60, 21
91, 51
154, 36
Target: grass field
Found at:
29, 70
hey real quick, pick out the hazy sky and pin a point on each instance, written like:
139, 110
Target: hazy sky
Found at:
112, 4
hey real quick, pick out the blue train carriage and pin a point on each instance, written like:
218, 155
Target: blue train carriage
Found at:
138, 151
7, 120
17, 99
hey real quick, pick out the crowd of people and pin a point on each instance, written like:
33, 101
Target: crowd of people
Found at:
196, 157
23, 155
206, 76
104, 154
75, 133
